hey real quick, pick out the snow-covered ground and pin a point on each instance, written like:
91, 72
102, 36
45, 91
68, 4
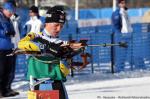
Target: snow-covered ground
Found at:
124, 85
129, 87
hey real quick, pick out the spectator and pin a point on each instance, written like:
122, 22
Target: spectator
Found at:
122, 32
7, 63
15, 19
35, 24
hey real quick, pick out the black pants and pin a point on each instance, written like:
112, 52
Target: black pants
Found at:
57, 85
7, 69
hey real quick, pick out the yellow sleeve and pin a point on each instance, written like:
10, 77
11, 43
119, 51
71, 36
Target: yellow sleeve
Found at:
27, 44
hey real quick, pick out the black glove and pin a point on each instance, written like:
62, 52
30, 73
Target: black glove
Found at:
10, 33
51, 49
54, 49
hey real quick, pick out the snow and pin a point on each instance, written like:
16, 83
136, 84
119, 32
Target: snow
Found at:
123, 85
111, 88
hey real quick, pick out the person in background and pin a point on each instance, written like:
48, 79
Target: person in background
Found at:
35, 23
122, 32
15, 19
7, 63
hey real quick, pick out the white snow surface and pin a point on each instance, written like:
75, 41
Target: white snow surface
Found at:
123, 85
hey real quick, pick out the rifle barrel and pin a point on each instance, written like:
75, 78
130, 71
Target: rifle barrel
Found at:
104, 45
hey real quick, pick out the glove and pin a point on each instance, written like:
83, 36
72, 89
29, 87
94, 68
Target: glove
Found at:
10, 33
52, 48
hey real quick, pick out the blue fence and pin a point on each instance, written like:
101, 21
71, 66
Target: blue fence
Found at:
136, 56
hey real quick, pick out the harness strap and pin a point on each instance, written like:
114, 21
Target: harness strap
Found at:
49, 62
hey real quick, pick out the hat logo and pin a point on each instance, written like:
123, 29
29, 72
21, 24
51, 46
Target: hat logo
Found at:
48, 15
62, 17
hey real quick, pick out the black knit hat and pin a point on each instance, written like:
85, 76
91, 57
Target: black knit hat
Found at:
34, 9
55, 14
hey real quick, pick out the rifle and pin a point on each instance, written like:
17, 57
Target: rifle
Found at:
85, 55
120, 44
68, 52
